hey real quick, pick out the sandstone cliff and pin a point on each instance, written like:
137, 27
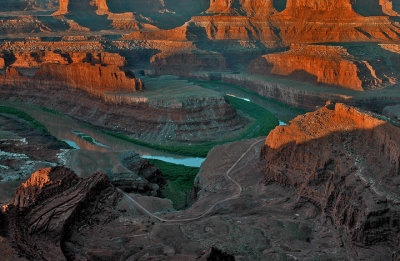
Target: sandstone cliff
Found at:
92, 78
64, 6
331, 65
244, 7
346, 163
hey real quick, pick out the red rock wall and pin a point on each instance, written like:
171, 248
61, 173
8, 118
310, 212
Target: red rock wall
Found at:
388, 8
346, 163
322, 64
35, 59
101, 6
2, 63
245, 7
332, 65
92, 78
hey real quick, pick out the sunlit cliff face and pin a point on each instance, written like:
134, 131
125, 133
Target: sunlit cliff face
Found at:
322, 123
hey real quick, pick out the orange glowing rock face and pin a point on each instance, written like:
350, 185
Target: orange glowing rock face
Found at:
300, 22
101, 6
320, 64
43, 182
321, 123
34, 59
93, 78
2, 63
31, 60
326, 64
343, 161
247, 7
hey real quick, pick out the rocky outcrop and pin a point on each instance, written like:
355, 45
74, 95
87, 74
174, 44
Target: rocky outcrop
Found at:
305, 22
92, 46
389, 8
64, 6
144, 178
22, 24
244, 7
346, 163
46, 205
95, 79
331, 65
34, 59
341, 7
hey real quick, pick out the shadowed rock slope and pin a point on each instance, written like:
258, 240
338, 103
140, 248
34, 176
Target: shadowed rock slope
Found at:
346, 163
45, 206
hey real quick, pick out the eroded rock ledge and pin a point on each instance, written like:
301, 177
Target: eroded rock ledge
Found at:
46, 205
346, 163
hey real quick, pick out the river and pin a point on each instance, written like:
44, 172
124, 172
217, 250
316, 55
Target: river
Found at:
87, 139
69, 130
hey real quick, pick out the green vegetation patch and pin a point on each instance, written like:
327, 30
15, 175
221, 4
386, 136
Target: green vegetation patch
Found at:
24, 116
195, 150
51, 111
180, 182
265, 121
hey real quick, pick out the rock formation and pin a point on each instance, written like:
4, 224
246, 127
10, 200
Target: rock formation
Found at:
92, 78
44, 207
245, 7
198, 119
56, 215
2, 63
34, 59
100, 5
330, 157
144, 178
331, 65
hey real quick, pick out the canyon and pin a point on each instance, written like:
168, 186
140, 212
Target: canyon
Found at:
285, 200
95, 94
158, 119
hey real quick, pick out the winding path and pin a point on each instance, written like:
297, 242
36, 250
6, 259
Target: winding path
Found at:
227, 174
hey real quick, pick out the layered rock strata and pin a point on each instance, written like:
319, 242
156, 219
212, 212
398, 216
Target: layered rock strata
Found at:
245, 7
46, 205
65, 88
94, 79
329, 157
331, 65
36, 59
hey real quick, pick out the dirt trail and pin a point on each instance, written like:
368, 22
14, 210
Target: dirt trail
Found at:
227, 174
